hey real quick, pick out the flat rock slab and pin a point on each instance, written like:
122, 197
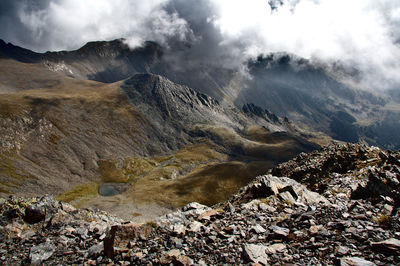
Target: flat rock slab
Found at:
256, 253
390, 246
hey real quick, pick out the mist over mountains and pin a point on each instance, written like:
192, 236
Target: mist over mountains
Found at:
362, 34
315, 96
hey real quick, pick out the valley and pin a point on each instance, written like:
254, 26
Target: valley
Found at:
155, 144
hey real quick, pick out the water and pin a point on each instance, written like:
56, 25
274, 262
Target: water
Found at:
112, 189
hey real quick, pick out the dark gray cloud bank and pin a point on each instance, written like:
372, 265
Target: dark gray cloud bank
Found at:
360, 33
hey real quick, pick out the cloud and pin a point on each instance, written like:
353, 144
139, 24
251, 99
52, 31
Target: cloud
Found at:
68, 24
360, 33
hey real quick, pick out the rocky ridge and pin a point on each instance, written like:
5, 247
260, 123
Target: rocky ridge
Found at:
337, 206
316, 96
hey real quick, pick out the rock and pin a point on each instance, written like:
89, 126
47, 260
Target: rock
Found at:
264, 207
175, 257
286, 197
28, 234
279, 231
195, 226
390, 246
268, 185
120, 235
15, 229
40, 253
208, 214
342, 250
256, 253
231, 208
67, 207
177, 242
316, 229
355, 261
195, 206
179, 229
34, 214
258, 229
275, 248
61, 217
96, 250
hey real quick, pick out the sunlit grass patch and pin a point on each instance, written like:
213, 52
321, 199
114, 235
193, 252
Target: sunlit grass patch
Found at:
80, 191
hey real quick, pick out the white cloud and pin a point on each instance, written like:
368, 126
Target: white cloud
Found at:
69, 24
360, 32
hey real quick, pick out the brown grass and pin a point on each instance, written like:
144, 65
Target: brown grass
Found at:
79, 192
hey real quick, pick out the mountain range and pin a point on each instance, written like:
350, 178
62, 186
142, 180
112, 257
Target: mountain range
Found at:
118, 128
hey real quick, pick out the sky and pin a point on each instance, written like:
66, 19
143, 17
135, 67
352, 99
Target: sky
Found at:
361, 33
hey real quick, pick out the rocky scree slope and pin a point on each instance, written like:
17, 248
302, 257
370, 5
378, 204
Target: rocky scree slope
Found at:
273, 220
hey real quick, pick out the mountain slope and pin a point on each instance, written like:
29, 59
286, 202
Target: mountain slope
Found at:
144, 141
313, 96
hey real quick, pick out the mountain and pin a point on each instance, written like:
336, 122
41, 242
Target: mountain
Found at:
316, 97
336, 206
144, 141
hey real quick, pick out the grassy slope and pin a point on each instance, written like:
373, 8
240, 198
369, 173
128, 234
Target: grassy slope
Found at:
64, 136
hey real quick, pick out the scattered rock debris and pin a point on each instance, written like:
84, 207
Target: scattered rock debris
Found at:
336, 206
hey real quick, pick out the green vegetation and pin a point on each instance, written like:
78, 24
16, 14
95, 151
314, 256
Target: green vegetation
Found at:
384, 220
152, 224
80, 191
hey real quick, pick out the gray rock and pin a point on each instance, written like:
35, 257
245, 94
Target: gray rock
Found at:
275, 248
194, 206
355, 261
95, 250
264, 207
342, 250
40, 253
390, 246
269, 185
258, 229
256, 253
287, 197
279, 231
195, 226
179, 229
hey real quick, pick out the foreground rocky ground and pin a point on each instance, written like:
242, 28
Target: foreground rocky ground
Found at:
338, 206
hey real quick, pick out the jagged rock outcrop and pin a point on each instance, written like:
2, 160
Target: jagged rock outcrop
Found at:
273, 220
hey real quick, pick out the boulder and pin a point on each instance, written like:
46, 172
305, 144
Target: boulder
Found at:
120, 235
256, 253
390, 246
34, 214
285, 188
40, 253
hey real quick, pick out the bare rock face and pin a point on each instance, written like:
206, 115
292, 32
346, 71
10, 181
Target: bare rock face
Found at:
119, 236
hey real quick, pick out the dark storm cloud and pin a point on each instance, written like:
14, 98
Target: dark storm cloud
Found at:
361, 33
